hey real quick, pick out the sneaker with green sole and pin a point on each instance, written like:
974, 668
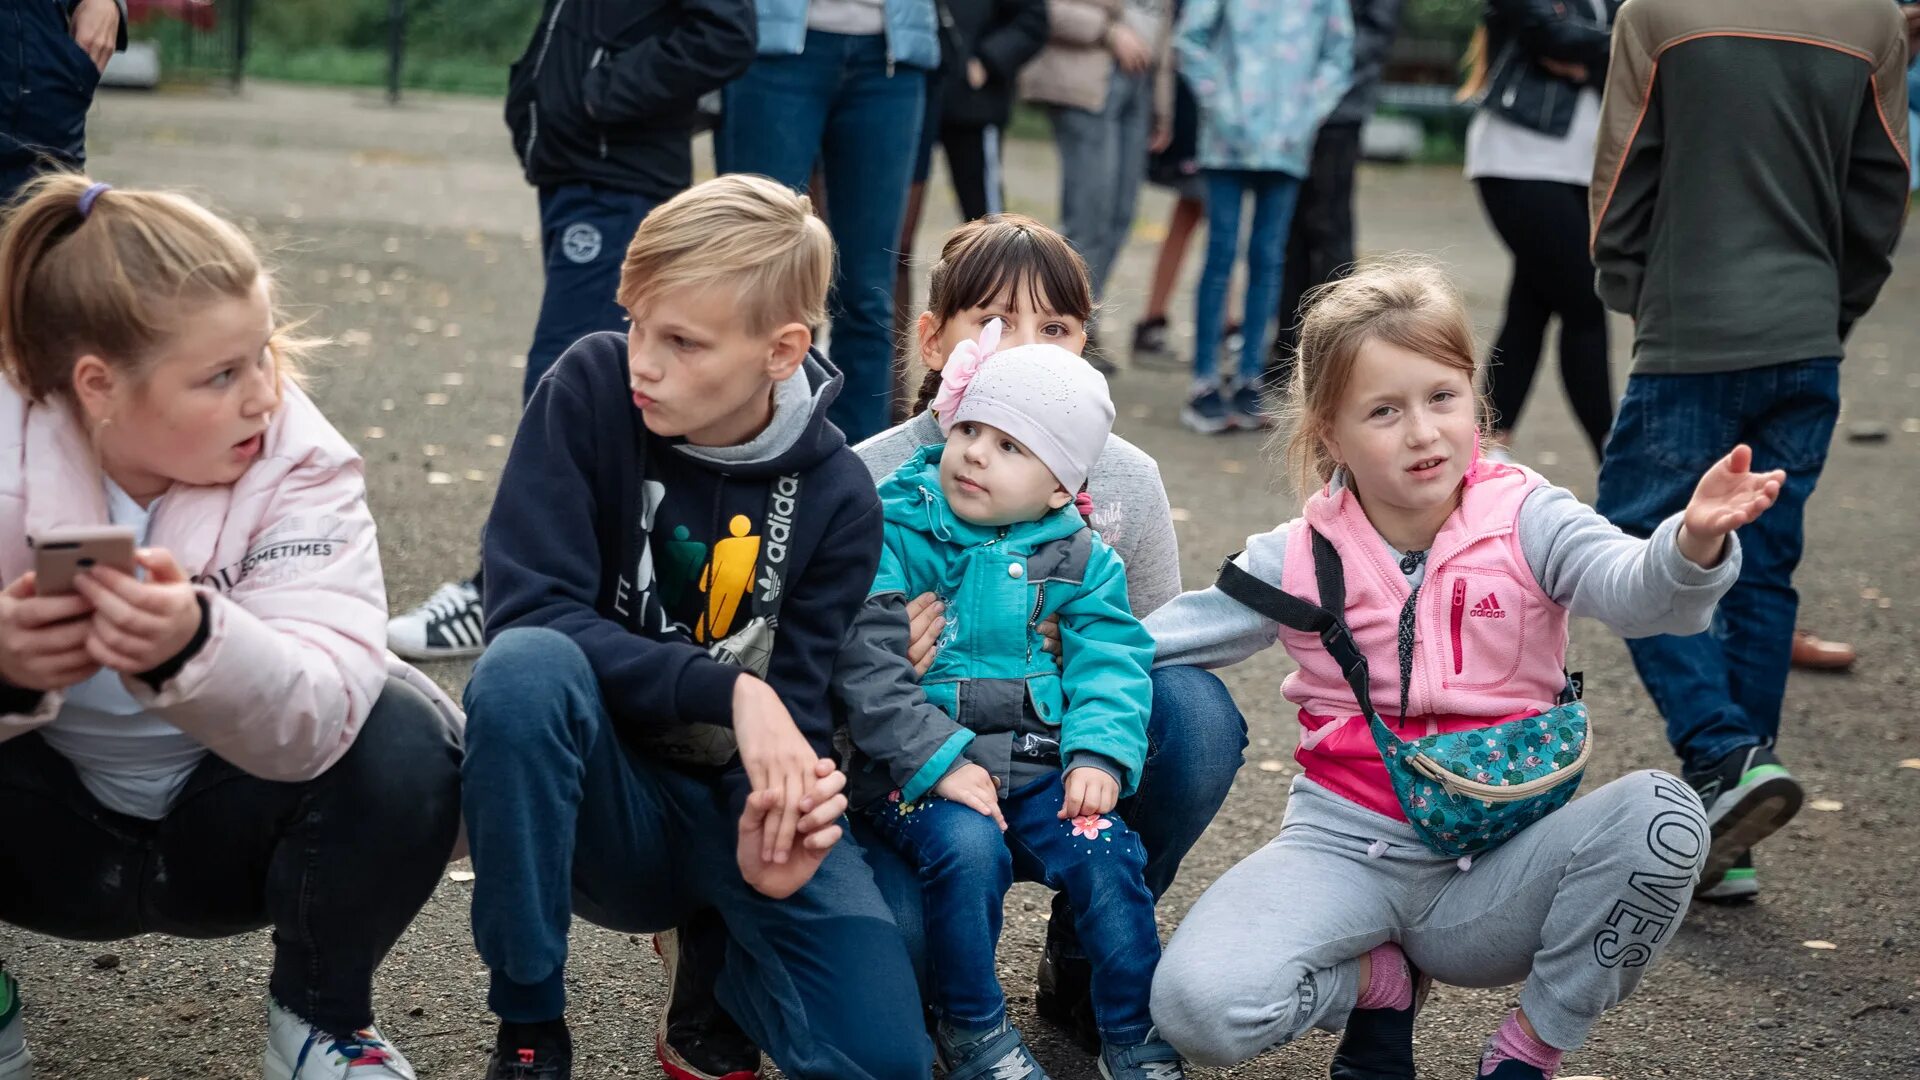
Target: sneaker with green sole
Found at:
1739, 885
15, 1062
1749, 795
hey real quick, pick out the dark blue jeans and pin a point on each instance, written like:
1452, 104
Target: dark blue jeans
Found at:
1273, 198
966, 865
563, 819
1720, 691
843, 104
1196, 739
584, 233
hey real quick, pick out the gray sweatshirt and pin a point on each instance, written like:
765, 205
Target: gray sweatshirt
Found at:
1130, 510
1583, 561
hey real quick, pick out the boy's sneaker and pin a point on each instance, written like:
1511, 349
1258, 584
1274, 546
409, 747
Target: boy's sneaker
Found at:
296, 1050
1063, 995
448, 626
1249, 411
1151, 1060
695, 1038
1748, 796
999, 1054
536, 1052
1150, 336
15, 1062
1206, 412
1739, 885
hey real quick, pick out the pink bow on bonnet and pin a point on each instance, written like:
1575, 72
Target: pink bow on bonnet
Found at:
1051, 400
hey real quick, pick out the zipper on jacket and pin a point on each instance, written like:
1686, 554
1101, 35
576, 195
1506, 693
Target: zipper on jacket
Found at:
1033, 618
546, 41
533, 132
1459, 614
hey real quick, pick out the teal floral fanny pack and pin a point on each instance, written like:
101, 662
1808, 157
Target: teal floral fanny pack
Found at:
1464, 792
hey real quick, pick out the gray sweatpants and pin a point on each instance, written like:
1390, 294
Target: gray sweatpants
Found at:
1577, 906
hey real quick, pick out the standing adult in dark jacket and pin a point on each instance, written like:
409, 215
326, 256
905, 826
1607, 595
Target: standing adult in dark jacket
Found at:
602, 107
1320, 242
1748, 193
1537, 74
49, 68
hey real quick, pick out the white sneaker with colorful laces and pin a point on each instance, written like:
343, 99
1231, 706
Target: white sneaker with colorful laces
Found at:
296, 1050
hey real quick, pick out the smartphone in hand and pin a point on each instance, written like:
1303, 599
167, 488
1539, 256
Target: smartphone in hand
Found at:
61, 555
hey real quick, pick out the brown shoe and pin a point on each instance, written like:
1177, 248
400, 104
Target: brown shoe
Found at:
1812, 654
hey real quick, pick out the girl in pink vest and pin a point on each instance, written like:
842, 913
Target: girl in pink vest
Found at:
1460, 577
218, 741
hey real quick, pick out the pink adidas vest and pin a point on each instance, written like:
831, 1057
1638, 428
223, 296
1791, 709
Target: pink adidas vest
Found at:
1489, 645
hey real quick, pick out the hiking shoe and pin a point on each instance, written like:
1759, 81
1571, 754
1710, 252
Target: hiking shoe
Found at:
1206, 412
1063, 995
695, 1039
15, 1062
448, 626
1150, 336
1748, 795
999, 1054
549, 1057
1151, 1060
1378, 1043
296, 1050
1249, 412
1739, 885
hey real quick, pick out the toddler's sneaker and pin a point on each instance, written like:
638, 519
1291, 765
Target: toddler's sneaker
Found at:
531, 1052
1739, 885
1515, 1069
15, 1062
447, 627
998, 1054
1151, 1060
1748, 795
1206, 411
1378, 1043
296, 1050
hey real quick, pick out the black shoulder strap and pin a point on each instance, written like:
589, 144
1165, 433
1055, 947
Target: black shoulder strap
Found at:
1324, 619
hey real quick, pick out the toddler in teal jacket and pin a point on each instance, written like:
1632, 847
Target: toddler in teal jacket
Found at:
1013, 769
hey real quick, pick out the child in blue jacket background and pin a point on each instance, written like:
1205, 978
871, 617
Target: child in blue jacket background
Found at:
1016, 773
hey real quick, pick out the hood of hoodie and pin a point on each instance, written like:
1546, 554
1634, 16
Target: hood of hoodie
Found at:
798, 437
911, 498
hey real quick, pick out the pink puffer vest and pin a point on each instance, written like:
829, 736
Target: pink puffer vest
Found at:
1489, 645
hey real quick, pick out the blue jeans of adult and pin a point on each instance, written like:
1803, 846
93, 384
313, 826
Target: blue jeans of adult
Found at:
584, 233
564, 819
1196, 742
966, 865
1103, 159
844, 104
1273, 194
1720, 691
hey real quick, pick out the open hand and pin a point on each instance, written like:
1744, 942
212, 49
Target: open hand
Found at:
139, 625
971, 785
1089, 791
43, 639
818, 829
1729, 496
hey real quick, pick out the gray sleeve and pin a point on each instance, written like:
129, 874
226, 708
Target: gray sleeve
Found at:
889, 718
1089, 759
1637, 587
1144, 540
1207, 628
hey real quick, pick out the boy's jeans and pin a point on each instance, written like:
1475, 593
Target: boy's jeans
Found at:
966, 866
562, 818
845, 105
1721, 691
1273, 198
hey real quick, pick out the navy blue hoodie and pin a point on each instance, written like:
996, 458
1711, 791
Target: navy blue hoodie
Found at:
574, 544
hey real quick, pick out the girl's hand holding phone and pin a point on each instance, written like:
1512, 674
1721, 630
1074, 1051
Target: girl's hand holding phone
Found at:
43, 639
139, 625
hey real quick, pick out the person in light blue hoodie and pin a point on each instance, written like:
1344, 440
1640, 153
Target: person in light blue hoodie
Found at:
1005, 766
842, 84
1266, 73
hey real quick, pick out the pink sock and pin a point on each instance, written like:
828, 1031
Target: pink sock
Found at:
1512, 1041
1390, 985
